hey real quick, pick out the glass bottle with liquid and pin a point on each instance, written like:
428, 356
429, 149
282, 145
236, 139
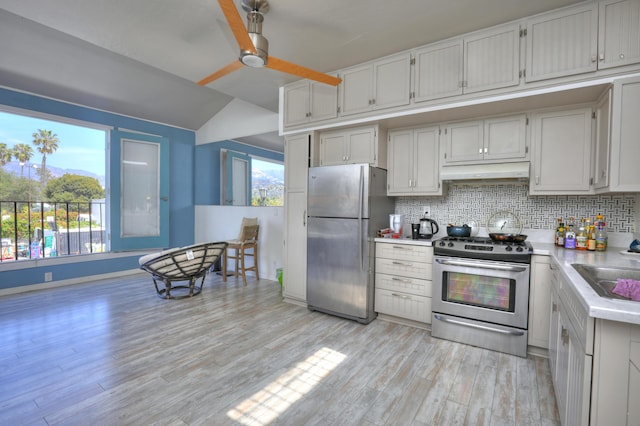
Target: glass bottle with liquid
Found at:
591, 236
560, 233
570, 235
601, 235
582, 235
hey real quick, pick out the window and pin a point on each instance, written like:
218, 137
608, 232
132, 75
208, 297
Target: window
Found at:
267, 182
250, 180
52, 180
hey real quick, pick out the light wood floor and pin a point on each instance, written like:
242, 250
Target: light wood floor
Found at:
111, 352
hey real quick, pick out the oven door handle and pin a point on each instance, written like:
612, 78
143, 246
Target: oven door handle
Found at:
481, 327
481, 265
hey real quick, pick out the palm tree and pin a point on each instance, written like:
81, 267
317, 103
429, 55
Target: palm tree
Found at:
23, 153
47, 143
5, 154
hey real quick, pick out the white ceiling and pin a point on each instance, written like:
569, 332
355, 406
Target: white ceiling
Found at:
141, 57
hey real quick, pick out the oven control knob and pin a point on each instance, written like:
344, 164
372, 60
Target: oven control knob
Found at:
450, 244
441, 243
508, 248
519, 248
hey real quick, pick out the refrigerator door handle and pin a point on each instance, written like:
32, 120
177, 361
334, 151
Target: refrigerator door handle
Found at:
360, 201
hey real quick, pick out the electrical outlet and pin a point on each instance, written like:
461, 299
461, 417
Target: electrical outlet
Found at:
48, 276
426, 211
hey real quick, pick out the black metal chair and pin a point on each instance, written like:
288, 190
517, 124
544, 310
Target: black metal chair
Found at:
188, 263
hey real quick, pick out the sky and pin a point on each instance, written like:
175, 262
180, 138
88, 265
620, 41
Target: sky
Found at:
80, 148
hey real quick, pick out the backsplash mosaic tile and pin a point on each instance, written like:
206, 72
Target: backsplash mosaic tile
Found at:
464, 202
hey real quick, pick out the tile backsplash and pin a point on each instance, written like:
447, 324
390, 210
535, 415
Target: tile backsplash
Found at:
464, 202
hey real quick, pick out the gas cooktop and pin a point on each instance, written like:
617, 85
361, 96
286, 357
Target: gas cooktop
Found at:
483, 248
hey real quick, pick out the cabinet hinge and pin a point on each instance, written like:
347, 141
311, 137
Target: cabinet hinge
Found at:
445, 155
413, 61
526, 149
526, 121
590, 181
338, 110
522, 73
593, 115
523, 32
412, 95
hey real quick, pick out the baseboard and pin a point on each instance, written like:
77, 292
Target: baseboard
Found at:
71, 281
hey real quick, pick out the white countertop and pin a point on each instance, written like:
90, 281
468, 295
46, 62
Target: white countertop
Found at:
597, 306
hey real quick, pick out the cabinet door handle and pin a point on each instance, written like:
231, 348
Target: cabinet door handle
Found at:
486, 150
480, 151
401, 263
402, 280
402, 296
602, 57
304, 218
594, 58
554, 307
564, 334
537, 180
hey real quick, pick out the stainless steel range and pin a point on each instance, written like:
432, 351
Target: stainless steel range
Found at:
481, 292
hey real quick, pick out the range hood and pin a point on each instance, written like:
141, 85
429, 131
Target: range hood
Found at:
519, 171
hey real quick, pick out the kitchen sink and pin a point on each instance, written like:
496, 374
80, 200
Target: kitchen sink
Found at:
603, 279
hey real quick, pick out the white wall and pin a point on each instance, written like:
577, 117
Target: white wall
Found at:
221, 223
236, 120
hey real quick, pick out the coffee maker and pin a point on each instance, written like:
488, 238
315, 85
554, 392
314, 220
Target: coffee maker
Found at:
428, 228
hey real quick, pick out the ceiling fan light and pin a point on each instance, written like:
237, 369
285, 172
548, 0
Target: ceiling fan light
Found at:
253, 61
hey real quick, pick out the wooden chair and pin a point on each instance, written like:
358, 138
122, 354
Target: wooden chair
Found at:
245, 246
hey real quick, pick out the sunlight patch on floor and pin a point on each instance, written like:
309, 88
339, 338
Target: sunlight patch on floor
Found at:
264, 406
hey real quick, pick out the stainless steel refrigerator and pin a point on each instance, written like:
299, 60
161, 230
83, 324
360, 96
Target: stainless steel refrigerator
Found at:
346, 206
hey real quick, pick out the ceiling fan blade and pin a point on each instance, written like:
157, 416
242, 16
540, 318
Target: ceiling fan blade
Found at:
221, 72
237, 25
300, 71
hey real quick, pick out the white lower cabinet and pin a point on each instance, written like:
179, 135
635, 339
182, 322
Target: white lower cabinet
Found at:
539, 301
570, 353
594, 363
615, 398
403, 281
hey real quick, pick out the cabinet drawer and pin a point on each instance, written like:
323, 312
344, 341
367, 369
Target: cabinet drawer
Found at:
408, 306
409, 285
405, 268
405, 252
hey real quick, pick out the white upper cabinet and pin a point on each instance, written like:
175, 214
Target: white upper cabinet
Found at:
619, 38
463, 142
562, 43
624, 173
382, 84
492, 59
561, 142
438, 71
490, 140
354, 146
485, 60
413, 162
506, 138
603, 143
308, 101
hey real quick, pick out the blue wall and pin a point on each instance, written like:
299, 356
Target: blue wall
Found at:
181, 198
207, 169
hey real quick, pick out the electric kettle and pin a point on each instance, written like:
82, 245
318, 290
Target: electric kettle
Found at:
428, 228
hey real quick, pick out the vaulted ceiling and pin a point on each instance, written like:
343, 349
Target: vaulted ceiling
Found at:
142, 57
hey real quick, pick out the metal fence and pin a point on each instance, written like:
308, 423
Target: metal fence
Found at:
33, 230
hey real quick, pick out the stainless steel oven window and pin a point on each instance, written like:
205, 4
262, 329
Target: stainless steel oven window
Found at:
484, 291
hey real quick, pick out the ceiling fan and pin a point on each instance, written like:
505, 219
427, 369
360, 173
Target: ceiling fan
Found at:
254, 48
